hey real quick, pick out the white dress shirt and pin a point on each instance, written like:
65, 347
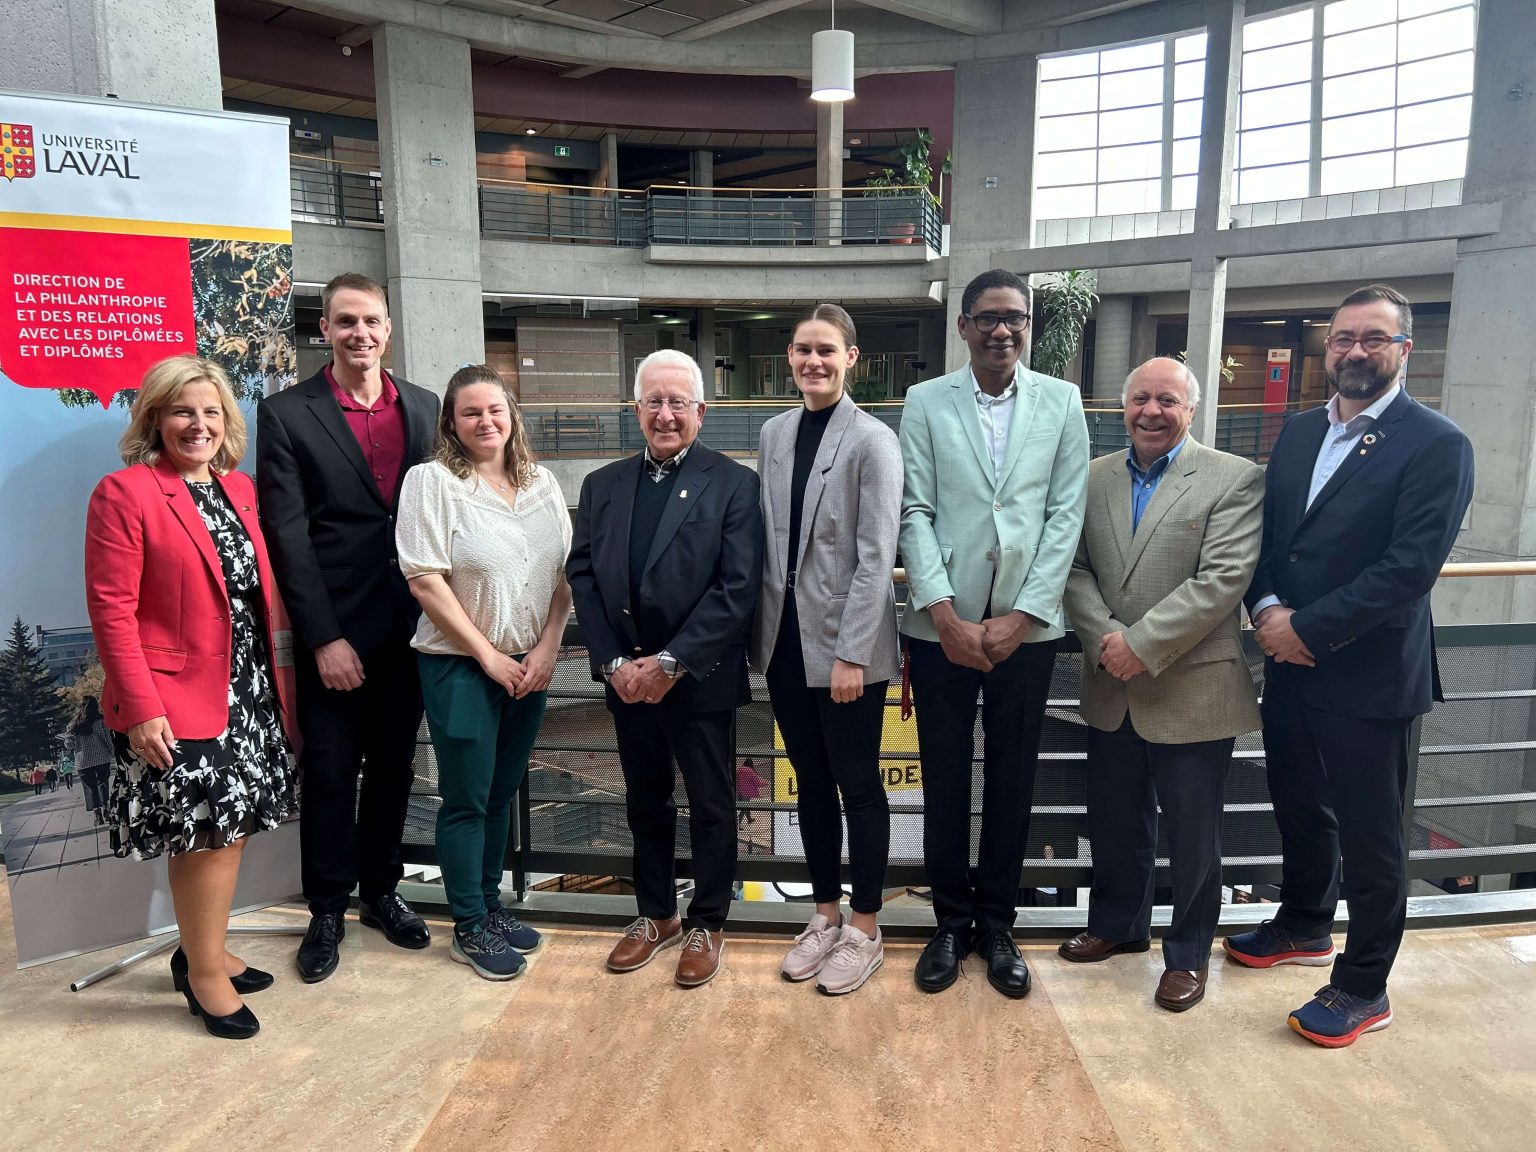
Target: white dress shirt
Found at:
996, 415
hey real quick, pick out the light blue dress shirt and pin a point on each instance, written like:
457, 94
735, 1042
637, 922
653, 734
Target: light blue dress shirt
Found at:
1144, 484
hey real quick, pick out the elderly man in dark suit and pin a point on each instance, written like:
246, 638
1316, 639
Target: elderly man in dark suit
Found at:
665, 568
1362, 503
330, 454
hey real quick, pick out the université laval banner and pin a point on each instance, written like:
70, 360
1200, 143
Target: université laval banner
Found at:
129, 233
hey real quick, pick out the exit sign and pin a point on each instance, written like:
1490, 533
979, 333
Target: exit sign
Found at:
562, 149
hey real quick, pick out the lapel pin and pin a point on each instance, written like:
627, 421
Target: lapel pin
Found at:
683, 495
1362, 452
1370, 438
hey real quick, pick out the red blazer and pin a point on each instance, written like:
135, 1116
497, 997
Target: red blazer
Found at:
155, 592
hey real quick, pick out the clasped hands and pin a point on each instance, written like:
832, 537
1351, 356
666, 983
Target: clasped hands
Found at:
981, 646
641, 681
1278, 640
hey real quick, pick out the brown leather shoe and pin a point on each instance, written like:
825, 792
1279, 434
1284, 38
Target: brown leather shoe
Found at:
1086, 948
1180, 991
642, 940
701, 957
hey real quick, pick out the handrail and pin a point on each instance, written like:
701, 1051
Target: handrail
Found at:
1480, 568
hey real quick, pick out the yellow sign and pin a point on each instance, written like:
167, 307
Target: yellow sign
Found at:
897, 735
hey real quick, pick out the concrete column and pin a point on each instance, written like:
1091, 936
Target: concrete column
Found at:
1489, 388
829, 173
930, 344
608, 160
701, 169
1213, 204
1111, 346
431, 215
704, 347
992, 188
148, 51
1143, 331
739, 354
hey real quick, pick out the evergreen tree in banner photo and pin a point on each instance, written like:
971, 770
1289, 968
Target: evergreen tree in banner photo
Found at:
32, 710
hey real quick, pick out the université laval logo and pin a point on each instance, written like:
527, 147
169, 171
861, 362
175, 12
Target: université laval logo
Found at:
17, 159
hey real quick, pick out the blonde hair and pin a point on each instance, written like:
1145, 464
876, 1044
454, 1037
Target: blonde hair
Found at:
162, 384
516, 456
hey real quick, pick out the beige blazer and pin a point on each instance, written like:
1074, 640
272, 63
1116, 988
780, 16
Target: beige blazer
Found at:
848, 527
1173, 588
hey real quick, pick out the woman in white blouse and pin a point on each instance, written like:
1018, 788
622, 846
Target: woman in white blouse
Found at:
483, 533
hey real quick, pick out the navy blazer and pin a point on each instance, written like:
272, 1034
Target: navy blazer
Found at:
331, 532
699, 589
1358, 566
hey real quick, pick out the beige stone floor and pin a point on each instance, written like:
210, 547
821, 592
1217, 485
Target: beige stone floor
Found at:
406, 1050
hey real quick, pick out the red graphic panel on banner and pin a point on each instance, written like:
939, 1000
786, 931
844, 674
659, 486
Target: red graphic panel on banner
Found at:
92, 310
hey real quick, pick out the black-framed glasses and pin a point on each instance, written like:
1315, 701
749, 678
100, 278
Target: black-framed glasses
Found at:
1376, 342
986, 321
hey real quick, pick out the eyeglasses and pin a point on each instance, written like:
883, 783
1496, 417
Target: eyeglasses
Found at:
1343, 345
676, 404
986, 321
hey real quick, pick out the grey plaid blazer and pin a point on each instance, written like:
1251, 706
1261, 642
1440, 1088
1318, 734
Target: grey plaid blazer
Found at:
848, 527
1173, 588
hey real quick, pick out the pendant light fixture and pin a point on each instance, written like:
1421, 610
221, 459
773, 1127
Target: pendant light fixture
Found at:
832, 63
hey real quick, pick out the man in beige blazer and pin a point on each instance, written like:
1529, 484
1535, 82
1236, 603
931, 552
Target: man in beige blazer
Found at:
1170, 543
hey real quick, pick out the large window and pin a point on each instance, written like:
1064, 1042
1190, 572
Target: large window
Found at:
1335, 96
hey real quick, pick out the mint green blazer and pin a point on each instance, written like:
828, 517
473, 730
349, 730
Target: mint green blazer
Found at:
994, 546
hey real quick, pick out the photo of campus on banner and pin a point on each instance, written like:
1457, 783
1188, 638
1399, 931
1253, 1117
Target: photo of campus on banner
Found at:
121, 243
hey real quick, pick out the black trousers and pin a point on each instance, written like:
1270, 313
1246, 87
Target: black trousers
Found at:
1338, 784
703, 746
349, 833
1128, 778
834, 748
1013, 697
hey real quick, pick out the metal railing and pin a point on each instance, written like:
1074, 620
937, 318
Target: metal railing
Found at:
568, 216
329, 192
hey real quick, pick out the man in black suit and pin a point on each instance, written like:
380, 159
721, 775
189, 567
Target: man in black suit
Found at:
1362, 502
665, 568
330, 454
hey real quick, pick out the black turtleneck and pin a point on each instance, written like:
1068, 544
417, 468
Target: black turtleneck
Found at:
813, 425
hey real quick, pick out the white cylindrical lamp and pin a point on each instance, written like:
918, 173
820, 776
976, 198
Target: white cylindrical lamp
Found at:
832, 65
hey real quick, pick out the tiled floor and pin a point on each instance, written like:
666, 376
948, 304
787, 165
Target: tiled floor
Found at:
401, 1050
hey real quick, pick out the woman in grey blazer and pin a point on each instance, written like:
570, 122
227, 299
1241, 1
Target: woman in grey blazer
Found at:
825, 636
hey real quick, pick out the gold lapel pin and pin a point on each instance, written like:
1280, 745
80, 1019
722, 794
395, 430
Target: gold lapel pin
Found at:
683, 495
1370, 438
1362, 452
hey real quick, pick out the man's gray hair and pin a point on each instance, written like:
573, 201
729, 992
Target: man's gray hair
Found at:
1191, 382
671, 358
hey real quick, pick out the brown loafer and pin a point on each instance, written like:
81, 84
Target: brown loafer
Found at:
1086, 948
1180, 991
642, 940
701, 957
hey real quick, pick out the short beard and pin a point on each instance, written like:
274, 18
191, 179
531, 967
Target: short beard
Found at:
1360, 383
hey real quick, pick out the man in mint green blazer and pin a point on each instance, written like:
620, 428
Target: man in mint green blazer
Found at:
996, 470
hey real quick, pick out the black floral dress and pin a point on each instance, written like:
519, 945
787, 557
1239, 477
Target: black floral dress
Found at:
241, 781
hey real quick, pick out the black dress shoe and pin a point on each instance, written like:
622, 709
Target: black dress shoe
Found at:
939, 965
320, 951
251, 980
1006, 970
392, 916
239, 1025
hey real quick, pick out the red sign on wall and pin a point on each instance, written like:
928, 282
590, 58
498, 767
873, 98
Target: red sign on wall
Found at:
92, 310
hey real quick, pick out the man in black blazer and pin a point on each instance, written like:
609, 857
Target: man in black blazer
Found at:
1362, 502
330, 454
664, 568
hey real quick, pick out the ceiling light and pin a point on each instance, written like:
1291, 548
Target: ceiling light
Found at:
832, 63
530, 131
855, 140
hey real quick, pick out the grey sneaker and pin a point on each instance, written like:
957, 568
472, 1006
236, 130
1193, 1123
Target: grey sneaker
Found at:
851, 962
487, 952
812, 947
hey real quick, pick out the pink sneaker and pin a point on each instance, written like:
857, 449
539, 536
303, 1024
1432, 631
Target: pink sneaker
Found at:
852, 962
812, 947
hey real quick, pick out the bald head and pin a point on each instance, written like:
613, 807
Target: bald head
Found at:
1160, 398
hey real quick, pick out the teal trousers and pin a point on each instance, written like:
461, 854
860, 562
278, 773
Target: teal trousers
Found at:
483, 738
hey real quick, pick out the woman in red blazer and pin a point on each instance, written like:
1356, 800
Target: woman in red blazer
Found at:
179, 592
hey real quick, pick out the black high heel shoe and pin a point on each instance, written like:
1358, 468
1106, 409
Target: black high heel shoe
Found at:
251, 980
241, 1025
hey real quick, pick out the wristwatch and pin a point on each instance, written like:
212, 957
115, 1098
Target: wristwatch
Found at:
613, 666
670, 664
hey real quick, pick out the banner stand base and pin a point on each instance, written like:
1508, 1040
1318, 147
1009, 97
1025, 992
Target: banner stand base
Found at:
170, 940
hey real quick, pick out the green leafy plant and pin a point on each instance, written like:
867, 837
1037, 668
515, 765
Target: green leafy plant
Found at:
1067, 300
916, 159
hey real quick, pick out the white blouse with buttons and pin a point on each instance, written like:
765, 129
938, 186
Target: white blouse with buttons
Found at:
502, 563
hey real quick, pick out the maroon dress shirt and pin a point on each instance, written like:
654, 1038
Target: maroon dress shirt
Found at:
380, 432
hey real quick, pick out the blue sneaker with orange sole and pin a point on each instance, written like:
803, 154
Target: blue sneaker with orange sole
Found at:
1268, 945
1335, 1018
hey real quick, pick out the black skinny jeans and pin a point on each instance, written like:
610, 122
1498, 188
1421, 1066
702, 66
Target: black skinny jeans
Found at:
833, 747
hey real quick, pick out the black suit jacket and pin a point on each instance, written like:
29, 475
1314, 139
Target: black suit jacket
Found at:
329, 530
699, 590
1358, 566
